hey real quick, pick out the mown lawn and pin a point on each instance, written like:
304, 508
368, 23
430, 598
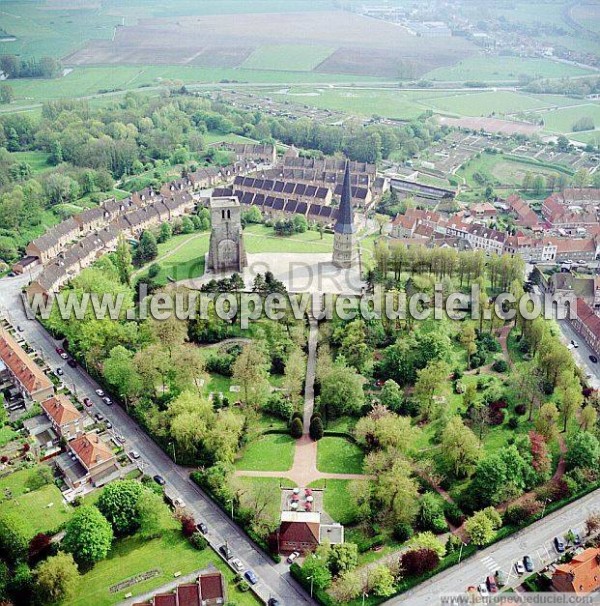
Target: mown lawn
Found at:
7, 434
336, 500
131, 556
42, 510
273, 452
338, 455
262, 239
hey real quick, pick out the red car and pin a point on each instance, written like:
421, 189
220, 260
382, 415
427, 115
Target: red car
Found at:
62, 353
87, 402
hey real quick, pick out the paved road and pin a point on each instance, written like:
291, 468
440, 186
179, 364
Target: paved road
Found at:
275, 579
581, 354
535, 540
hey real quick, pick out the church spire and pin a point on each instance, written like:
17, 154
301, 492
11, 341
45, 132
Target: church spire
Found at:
345, 219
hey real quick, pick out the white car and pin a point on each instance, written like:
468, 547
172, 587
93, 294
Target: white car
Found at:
237, 564
292, 557
178, 502
520, 569
483, 590
100, 393
134, 454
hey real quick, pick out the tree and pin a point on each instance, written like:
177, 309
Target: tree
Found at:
568, 390
147, 248
342, 388
342, 557
296, 428
123, 260
419, 561
295, 368
592, 523
250, 370
169, 333
588, 418
13, 543
55, 578
7, 94
583, 451
468, 338
427, 540
545, 424
316, 567
391, 395
166, 232
459, 447
581, 178
431, 515
88, 535
152, 514
431, 381
315, 430
482, 525
347, 587
38, 546
121, 374
381, 581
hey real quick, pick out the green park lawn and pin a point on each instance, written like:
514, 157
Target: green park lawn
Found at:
339, 455
131, 556
562, 120
37, 160
271, 452
262, 239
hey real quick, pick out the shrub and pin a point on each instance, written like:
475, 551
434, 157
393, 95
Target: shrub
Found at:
513, 423
403, 532
453, 512
316, 429
279, 406
243, 587
297, 415
497, 412
500, 366
198, 541
418, 561
520, 409
188, 525
296, 428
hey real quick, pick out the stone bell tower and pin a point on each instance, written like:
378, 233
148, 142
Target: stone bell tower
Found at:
344, 251
226, 251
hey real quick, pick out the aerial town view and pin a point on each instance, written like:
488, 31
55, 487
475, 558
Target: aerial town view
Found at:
299, 302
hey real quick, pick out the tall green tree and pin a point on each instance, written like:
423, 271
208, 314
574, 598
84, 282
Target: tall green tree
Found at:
56, 578
88, 535
118, 504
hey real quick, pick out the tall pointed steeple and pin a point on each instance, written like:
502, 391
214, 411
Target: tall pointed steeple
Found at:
345, 219
343, 238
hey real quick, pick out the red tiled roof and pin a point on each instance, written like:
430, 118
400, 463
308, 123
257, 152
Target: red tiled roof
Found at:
588, 317
91, 450
567, 245
299, 532
60, 409
22, 366
581, 575
188, 595
165, 600
211, 586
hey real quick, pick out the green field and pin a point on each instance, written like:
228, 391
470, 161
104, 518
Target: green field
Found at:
339, 455
271, 452
132, 556
262, 239
287, 57
36, 159
590, 136
486, 103
335, 500
500, 69
562, 120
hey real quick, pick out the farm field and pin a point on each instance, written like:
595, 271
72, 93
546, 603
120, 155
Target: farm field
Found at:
502, 69
486, 103
271, 452
562, 120
287, 57
132, 556
592, 137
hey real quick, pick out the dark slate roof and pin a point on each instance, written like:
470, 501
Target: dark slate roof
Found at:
345, 220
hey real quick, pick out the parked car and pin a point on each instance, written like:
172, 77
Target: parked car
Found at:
100, 393
574, 343
483, 590
72, 363
491, 584
120, 438
60, 351
237, 564
159, 480
107, 401
528, 563
87, 402
251, 577
226, 552
501, 578
202, 527
108, 425
292, 557
134, 454
559, 544
20, 328
273, 602
519, 568
99, 416
60, 372
594, 359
